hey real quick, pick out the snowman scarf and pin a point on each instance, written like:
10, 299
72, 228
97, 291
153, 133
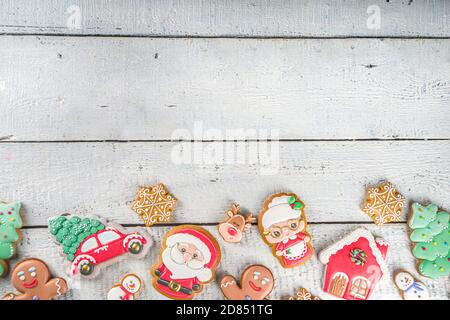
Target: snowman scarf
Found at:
127, 295
416, 286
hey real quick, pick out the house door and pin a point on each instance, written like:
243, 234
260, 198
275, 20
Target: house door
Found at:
338, 284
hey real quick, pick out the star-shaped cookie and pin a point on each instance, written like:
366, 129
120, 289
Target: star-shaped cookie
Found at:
154, 204
384, 203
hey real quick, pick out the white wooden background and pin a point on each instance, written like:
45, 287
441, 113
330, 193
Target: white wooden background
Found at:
87, 114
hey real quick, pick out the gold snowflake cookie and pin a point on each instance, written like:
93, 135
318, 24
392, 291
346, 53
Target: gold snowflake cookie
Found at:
154, 204
303, 294
384, 203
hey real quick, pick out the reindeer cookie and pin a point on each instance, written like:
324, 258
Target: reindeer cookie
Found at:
127, 289
231, 229
256, 283
33, 280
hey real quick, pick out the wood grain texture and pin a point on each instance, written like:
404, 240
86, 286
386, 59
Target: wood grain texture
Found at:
70, 88
235, 258
330, 177
261, 18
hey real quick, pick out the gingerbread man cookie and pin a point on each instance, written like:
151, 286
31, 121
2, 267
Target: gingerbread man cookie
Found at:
384, 203
154, 204
32, 278
256, 283
232, 229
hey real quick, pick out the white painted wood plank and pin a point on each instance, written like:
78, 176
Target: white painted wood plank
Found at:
330, 177
260, 18
235, 258
66, 88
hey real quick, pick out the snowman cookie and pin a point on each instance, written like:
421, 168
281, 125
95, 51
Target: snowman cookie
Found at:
256, 283
410, 288
32, 278
129, 286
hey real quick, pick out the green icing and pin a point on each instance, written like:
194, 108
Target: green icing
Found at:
433, 228
435, 269
2, 269
431, 234
10, 214
10, 221
422, 215
71, 231
8, 236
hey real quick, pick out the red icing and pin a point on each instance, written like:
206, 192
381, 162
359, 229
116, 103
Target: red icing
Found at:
104, 249
366, 275
167, 276
281, 246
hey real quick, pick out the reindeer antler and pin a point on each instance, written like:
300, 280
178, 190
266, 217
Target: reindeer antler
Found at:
250, 218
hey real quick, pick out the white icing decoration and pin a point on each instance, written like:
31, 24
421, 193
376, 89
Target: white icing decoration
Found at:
324, 255
228, 283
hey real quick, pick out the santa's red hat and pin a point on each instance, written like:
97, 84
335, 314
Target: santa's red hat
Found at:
204, 243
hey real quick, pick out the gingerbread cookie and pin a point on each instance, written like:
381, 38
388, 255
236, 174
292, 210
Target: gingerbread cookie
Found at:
89, 243
232, 229
384, 203
354, 265
410, 288
154, 204
282, 224
256, 283
10, 225
430, 236
188, 258
303, 294
127, 289
32, 278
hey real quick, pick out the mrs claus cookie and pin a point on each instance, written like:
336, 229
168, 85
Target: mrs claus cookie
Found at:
282, 224
32, 278
410, 288
127, 289
188, 259
10, 225
89, 243
256, 283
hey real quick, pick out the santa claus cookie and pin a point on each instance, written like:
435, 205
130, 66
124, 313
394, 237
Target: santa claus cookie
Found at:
256, 283
354, 265
232, 229
188, 258
32, 278
127, 289
10, 224
282, 223
90, 244
410, 288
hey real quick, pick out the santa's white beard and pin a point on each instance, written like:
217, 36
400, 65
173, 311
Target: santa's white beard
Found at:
173, 261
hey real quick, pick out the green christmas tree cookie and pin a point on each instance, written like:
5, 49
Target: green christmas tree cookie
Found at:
10, 223
422, 215
71, 231
435, 269
431, 234
432, 229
